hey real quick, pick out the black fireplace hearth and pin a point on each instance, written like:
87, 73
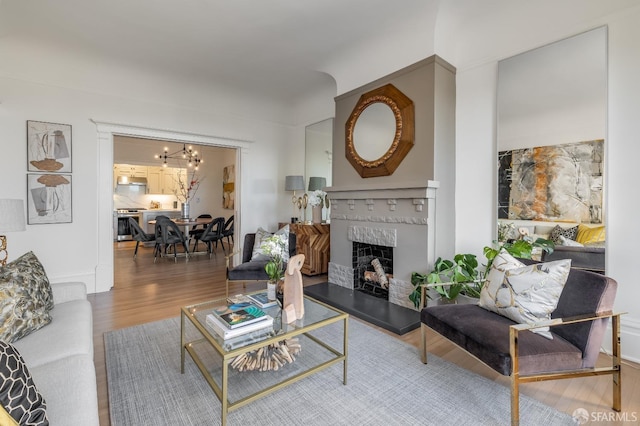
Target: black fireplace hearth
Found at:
392, 317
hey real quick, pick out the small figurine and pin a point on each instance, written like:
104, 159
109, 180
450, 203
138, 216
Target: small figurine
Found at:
293, 294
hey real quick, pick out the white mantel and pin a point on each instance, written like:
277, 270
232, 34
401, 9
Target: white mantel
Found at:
398, 215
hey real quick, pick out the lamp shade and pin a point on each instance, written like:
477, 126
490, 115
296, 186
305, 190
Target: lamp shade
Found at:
316, 182
12, 215
293, 183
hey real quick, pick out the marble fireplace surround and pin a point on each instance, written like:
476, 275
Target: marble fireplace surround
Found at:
401, 216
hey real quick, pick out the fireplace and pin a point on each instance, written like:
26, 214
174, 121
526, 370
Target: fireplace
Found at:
394, 224
372, 269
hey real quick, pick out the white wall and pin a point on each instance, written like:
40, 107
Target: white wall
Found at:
31, 91
473, 37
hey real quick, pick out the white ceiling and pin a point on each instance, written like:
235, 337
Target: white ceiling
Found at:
277, 48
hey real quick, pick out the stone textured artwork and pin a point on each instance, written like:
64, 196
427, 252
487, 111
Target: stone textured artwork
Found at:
559, 182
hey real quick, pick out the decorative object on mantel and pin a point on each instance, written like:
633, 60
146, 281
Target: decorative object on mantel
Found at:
186, 191
316, 200
189, 155
380, 157
293, 307
317, 183
47, 149
11, 220
295, 183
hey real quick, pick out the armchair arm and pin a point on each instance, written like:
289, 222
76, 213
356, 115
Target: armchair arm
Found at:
230, 255
569, 320
425, 286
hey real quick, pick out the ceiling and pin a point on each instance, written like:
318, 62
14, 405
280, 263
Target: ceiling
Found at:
277, 48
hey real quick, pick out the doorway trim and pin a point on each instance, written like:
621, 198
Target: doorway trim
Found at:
106, 130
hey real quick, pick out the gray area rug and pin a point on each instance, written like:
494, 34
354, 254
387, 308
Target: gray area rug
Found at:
387, 385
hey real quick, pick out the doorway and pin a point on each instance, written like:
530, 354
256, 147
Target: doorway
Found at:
106, 134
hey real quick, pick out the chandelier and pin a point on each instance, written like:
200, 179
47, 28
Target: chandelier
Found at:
187, 154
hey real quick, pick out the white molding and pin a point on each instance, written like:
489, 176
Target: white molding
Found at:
396, 191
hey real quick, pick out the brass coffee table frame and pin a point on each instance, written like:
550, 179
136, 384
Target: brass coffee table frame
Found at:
188, 313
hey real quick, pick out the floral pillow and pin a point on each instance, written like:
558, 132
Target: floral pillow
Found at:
25, 298
501, 263
530, 294
261, 235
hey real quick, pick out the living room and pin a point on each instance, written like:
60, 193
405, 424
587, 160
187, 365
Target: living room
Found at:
101, 94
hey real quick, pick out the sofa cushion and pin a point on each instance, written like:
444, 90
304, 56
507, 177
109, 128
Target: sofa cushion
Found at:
69, 387
18, 392
28, 270
485, 334
70, 333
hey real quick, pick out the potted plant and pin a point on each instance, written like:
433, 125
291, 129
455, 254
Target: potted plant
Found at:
274, 247
457, 276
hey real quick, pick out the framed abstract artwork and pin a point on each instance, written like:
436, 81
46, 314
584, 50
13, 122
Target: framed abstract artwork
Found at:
48, 147
228, 186
48, 198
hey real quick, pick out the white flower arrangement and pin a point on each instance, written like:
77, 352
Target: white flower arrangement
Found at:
316, 198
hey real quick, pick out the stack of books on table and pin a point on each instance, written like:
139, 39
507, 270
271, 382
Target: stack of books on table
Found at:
238, 319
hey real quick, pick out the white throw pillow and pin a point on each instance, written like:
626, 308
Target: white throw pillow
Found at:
501, 263
567, 242
261, 235
531, 293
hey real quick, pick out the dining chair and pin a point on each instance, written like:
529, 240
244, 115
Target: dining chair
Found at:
228, 230
167, 234
196, 231
213, 233
139, 235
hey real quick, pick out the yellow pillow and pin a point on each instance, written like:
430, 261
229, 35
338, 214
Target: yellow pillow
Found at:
590, 234
5, 418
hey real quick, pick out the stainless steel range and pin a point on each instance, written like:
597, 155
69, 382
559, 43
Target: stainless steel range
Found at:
121, 228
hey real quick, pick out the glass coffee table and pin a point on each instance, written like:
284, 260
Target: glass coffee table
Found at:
318, 333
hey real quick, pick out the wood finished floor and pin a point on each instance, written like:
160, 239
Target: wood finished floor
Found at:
146, 292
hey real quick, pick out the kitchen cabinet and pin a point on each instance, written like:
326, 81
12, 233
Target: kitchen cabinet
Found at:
160, 180
313, 240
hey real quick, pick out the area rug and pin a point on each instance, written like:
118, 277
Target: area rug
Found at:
386, 385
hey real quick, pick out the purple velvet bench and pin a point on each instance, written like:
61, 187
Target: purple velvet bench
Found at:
578, 325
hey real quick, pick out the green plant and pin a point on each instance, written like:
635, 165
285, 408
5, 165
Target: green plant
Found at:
274, 246
459, 275
519, 248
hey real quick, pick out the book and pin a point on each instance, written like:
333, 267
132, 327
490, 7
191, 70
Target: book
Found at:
231, 307
265, 327
241, 317
238, 298
262, 300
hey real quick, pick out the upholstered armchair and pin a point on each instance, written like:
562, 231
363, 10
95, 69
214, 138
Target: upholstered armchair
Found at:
249, 270
578, 327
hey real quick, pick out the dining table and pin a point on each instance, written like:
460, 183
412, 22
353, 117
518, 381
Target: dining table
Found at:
188, 223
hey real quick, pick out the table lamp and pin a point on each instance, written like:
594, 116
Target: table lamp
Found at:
294, 183
11, 220
316, 182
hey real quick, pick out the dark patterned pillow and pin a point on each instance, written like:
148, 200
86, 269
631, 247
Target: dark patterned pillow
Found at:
18, 394
558, 231
25, 298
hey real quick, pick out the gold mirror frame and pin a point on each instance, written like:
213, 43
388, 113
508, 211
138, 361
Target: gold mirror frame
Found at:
403, 111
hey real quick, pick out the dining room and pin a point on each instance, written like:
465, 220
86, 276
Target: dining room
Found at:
191, 185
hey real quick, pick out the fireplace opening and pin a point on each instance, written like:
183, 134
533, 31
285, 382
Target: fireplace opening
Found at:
372, 269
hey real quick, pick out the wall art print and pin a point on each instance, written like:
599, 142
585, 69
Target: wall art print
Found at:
228, 187
552, 183
48, 147
48, 198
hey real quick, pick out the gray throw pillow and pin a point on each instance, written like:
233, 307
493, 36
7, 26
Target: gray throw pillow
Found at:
261, 235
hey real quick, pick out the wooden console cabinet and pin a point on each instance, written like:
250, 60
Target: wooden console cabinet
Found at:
313, 241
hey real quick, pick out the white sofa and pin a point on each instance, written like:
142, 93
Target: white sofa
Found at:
59, 357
